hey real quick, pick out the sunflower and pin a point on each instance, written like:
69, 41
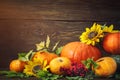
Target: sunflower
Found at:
109, 29
33, 67
92, 35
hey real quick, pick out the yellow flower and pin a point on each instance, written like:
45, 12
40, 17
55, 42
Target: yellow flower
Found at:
109, 29
33, 66
92, 35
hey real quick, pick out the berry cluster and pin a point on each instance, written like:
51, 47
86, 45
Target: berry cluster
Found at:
75, 70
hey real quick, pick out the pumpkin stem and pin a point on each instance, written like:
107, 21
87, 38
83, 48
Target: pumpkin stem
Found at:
100, 60
60, 60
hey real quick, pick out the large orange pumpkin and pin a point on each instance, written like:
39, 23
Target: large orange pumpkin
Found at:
44, 56
111, 43
77, 51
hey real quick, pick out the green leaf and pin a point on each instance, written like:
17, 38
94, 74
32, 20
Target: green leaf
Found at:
25, 56
75, 78
90, 62
58, 51
29, 55
116, 57
55, 46
41, 73
90, 75
6, 72
117, 76
50, 76
21, 56
47, 41
40, 46
12, 74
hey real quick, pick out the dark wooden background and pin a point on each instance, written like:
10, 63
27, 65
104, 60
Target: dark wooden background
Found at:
23, 23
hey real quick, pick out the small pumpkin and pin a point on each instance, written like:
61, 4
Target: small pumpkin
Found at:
111, 43
106, 66
17, 65
78, 51
44, 56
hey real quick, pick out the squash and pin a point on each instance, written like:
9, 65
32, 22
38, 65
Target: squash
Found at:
45, 56
44, 51
78, 51
111, 43
107, 66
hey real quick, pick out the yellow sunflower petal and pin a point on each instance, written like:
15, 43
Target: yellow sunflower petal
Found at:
32, 64
87, 29
93, 43
97, 40
105, 28
98, 28
111, 28
114, 31
93, 27
46, 68
44, 63
84, 41
92, 35
89, 42
108, 29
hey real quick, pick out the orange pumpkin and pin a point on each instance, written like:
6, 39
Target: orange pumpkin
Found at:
77, 51
45, 56
106, 66
17, 65
111, 43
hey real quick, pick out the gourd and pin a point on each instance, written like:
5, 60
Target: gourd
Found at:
111, 43
44, 56
78, 51
107, 66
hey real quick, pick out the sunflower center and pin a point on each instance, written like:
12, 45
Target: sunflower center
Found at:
36, 68
92, 34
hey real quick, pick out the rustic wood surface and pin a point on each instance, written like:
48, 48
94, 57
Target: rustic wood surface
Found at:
23, 23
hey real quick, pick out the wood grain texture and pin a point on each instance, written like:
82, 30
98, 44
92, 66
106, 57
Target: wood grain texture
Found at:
85, 10
23, 23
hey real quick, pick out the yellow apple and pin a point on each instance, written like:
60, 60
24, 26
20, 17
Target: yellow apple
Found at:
59, 62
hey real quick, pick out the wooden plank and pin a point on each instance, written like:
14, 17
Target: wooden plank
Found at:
77, 10
22, 35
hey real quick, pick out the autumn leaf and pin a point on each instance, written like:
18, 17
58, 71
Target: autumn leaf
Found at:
47, 41
40, 46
